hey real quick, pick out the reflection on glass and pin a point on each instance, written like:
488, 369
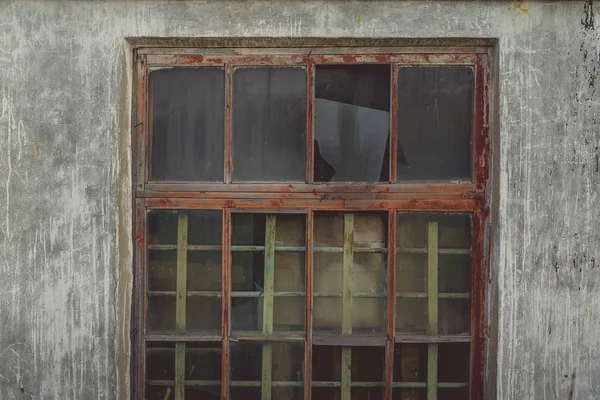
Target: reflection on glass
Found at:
188, 109
351, 123
269, 124
435, 114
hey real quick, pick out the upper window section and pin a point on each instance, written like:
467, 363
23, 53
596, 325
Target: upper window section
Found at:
318, 119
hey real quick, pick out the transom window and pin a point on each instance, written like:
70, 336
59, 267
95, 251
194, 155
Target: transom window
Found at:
310, 223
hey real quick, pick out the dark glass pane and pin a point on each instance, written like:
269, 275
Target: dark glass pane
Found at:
368, 364
286, 362
269, 124
435, 117
352, 104
453, 394
326, 393
188, 109
454, 361
411, 315
202, 363
327, 364
410, 362
454, 316
409, 394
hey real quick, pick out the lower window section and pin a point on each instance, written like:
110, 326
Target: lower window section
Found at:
272, 311
268, 370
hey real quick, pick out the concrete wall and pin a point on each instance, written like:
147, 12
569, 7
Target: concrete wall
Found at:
63, 168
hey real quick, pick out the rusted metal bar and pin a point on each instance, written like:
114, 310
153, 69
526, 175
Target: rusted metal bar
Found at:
426, 338
477, 303
317, 48
454, 205
180, 302
218, 190
140, 122
228, 167
348, 287
432, 308
310, 218
310, 121
139, 303
226, 257
481, 127
349, 340
391, 304
393, 155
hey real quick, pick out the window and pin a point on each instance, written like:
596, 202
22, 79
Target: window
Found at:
310, 223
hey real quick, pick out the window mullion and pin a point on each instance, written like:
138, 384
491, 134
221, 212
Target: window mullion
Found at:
391, 303
309, 305
226, 288
268, 290
432, 307
180, 305
348, 262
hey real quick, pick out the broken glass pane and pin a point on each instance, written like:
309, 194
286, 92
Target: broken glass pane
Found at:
351, 123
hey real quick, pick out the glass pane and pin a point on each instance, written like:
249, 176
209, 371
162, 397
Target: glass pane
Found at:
454, 361
454, 316
435, 118
352, 120
326, 393
366, 272
202, 365
411, 315
280, 363
453, 268
255, 277
410, 362
409, 394
269, 124
366, 366
453, 394
188, 113
200, 232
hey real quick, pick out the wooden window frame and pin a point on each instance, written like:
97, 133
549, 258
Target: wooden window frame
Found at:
458, 197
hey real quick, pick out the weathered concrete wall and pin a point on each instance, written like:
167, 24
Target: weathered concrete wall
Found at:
61, 70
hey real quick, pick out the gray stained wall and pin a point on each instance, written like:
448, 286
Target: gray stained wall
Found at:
63, 298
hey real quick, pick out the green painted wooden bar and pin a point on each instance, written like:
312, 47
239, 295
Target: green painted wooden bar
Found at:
348, 262
180, 304
269, 289
432, 307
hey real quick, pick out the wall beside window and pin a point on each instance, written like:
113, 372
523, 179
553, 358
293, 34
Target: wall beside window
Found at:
65, 213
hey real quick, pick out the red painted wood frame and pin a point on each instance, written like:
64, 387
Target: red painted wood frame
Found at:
469, 197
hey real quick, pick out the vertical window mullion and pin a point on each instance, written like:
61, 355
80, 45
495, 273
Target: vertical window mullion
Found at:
228, 101
391, 304
348, 262
309, 305
394, 124
310, 121
180, 304
226, 288
267, 349
432, 308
